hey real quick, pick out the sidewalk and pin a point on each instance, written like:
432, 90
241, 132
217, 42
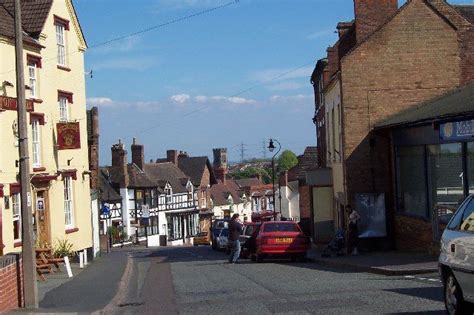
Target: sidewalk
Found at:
386, 263
91, 288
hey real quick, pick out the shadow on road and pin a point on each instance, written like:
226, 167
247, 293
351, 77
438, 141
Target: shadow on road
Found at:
416, 313
430, 293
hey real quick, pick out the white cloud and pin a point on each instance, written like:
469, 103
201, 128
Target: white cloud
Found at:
267, 75
298, 98
99, 101
124, 45
233, 100
201, 98
180, 98
320, 34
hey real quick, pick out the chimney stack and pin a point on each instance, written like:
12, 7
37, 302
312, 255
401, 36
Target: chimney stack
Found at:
172, 156
221, 174
372, 14
284, 179
138, 154
119, 161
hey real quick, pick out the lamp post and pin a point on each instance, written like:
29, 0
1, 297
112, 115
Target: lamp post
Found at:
271, 148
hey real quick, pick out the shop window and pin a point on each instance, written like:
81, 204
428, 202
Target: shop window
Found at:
445, 177
470, 166
411, 181
16, 207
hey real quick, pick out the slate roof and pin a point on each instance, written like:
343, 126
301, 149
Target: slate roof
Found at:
466, 10
194, 168
34, 15
248, 182
107, 191
220, 192
161, 173
456, 103
306, 162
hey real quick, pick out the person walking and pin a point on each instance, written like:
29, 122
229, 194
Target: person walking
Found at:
235, 228
353, 231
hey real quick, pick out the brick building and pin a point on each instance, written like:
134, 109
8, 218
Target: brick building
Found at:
387, 60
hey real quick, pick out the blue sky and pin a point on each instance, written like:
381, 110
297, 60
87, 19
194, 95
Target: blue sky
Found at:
174, 87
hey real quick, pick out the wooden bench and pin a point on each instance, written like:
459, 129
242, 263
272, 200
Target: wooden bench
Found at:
45, 261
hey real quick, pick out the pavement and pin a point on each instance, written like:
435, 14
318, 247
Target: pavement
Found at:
389, 263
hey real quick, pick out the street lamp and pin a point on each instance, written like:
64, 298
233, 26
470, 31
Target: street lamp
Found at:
271, 148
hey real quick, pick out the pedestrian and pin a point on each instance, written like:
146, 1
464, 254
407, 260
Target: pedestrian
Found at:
353, 231
235, 228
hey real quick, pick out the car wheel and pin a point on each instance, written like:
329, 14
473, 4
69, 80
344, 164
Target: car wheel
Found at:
214, 247
453, 299
259, 258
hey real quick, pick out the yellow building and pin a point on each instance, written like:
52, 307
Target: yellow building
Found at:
57, 128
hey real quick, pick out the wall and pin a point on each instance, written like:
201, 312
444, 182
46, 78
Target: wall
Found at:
11, 280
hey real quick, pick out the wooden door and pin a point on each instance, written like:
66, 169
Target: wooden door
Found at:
42, 217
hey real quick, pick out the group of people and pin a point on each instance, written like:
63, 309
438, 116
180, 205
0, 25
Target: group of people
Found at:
235, 229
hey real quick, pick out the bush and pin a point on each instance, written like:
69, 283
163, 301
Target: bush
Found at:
63, 248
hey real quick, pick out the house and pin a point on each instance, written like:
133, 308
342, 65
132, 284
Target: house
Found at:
162, 189
56, 105
227, 197
386, 61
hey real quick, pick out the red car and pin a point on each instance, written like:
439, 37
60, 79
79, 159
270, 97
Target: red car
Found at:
282, 239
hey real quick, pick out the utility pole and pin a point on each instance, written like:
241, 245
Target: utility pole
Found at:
30, 288
264, 149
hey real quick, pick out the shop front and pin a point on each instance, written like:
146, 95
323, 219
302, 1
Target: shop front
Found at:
433, 155
182, 226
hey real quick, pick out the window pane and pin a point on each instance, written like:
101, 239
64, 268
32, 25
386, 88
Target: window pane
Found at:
467, 223
470, 166
446, 178
412, 194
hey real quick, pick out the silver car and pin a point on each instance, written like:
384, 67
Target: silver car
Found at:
456, 261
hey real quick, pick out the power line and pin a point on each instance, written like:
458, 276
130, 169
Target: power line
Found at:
242, 152
148, 29
264, 149
232, 95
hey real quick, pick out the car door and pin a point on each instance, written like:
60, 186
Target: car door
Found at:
462, 250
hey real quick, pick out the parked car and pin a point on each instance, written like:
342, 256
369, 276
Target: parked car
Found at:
247, 238
201, 238
456, 260
222, 240
280, 239
217, 226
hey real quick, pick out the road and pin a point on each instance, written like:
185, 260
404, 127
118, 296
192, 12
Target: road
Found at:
197, 280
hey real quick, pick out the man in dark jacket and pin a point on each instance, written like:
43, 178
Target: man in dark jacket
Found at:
235, 228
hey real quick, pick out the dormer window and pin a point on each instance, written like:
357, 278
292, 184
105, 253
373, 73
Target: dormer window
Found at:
168, 193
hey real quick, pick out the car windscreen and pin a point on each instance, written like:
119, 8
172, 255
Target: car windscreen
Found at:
280, 227
224, 232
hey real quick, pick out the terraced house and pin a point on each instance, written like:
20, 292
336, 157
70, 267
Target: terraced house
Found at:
54, 49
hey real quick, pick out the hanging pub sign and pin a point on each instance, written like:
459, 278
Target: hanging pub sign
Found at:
459, 130
69, 136
10, 103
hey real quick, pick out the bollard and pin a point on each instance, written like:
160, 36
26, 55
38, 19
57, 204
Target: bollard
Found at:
85, 257
68, 266
81, 260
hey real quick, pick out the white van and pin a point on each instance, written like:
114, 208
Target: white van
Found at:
456, 261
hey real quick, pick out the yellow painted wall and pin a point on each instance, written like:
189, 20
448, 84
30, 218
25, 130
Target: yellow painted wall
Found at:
50, 80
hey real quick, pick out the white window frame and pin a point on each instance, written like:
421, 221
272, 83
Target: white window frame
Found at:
169, 194
16, 213
63, 109
36, 142
33, 79
61, 44
68, 203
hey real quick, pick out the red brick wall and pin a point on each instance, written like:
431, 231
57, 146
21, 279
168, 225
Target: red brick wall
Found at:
305, 202
413, 234
371, 14
11, 279
398, 67
467, 54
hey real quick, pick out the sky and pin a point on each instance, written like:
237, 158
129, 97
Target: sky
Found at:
239, 74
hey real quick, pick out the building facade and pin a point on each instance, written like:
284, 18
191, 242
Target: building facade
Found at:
385, 65
54, 49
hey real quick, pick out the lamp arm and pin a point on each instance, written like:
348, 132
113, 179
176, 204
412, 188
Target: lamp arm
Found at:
279, 147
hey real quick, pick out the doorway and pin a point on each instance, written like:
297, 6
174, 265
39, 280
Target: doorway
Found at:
42, 228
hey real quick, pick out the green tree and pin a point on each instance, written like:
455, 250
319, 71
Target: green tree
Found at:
286, 160
253, 172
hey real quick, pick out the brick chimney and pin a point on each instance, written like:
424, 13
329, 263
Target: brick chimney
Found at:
221, 174
343, 28
138, 154
333, 60
172, 156
119, 161
371, 14
183, 154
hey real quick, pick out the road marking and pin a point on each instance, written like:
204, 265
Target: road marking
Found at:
423, 279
